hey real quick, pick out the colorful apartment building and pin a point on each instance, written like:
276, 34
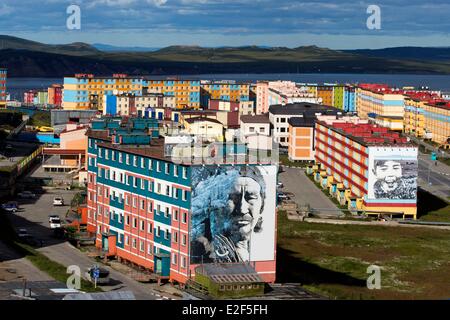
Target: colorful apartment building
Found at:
170, 215
30, 97
427, 116
301, 144
368, 167
382, 104
186, 92
279, 116
326, 93
350, 99
131, 105
3, 76
55, 93
86, 92
224, 90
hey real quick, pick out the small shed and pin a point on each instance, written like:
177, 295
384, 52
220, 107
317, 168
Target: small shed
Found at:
229, 280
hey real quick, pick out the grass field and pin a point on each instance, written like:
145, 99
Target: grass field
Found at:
332, 260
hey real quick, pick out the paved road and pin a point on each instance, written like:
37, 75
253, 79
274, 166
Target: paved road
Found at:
434, 178
34, 216
306, 192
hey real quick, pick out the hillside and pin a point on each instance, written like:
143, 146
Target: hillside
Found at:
26, 58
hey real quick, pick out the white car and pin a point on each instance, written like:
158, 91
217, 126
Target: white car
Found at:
54, 221
58, 201
26, 195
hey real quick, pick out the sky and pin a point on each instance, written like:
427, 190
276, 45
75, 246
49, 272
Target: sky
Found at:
336, 24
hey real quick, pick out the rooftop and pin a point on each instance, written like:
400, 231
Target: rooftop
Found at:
200, 119
303, 108
260, 118
229, 272
368, 134
302, 121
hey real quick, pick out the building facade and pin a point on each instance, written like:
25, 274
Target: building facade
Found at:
186, 92
368, 167
165, 216
224, 90
86, 92
3, 77
55, 93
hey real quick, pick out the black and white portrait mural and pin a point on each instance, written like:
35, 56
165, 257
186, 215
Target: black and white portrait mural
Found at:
233, 213
393, 178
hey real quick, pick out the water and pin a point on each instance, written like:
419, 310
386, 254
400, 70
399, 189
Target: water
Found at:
17, 86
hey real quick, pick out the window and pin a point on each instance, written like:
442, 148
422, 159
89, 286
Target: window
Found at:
167, 168
183, 262
134, 202
127, 220
120, 157
119, 239
150, 228
167, 190
252, 129
158, 188
135, 182
158, 166
184, 173
134, 243
166, 212
142, 163
175, 215
158, 209
150, 206
158, 231
141, 246
127, 240
184, 217
127, 157
107, 154
174, 258
135, 161
142, 184
113, 155
134, 223
175, 193
142, 204
150, 164
119, 216
183, 240
175, 171
175, 237
167, 234
150, 188
149, 248
127, 200
185, 195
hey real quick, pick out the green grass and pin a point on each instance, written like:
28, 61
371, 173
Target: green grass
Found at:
41, 118
52, 268
332, 259
42, 262
284, 160
441, 215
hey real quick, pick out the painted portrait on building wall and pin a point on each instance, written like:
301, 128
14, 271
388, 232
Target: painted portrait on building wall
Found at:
394, 179
233, 214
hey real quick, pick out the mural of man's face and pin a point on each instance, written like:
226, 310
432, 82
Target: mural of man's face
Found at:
389, 172
245, 203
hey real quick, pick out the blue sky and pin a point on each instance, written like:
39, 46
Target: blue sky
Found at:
158, 23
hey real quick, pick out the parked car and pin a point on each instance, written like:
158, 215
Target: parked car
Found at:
26, 195
58, 201
23, 233
10, 206
103, 275
54, 221
280, 185
282, 196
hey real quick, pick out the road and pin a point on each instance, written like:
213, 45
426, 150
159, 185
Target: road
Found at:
34, 216
434, 178
306, 192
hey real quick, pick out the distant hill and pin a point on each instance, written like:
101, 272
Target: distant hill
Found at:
77, 48
110, 48
412, 53
25, 58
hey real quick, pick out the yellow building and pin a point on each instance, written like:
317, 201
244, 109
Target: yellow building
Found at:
85, 92
186, 92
